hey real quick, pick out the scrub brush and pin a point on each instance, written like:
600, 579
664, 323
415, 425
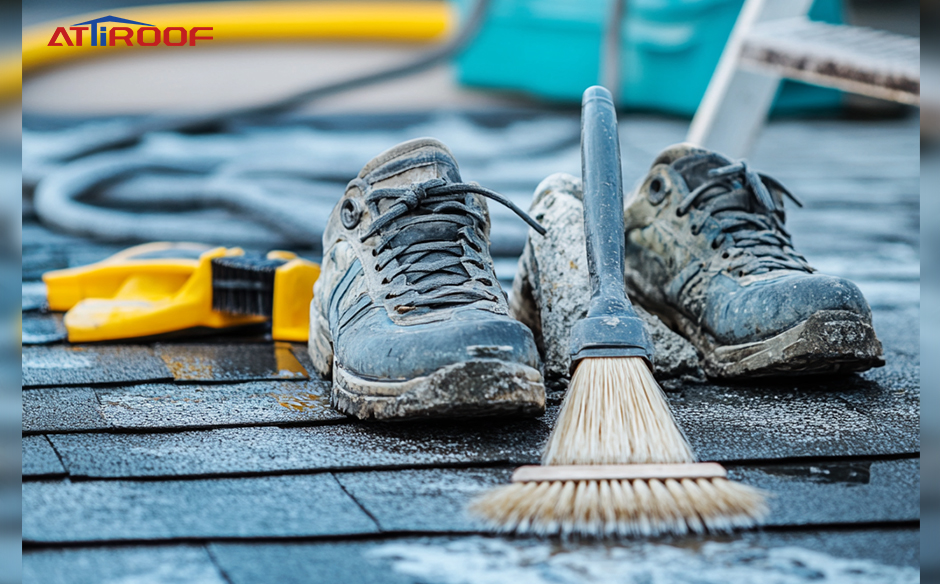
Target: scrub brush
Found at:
616, 463
244, 284
278, 286
161, 288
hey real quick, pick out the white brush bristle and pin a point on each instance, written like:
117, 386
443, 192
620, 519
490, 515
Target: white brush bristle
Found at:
621, 508
615, 413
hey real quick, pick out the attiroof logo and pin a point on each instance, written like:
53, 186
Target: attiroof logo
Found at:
146, 35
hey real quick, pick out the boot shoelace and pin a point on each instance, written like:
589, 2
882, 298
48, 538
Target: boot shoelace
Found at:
421, 261
762, 241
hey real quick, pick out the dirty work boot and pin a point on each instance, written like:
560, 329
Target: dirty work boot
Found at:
707, 251
552, 288
407, 314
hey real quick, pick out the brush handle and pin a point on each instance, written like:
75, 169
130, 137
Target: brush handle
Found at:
602, 187
611, 327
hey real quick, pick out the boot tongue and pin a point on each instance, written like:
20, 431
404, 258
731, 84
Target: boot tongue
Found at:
434, 229
694, 168
429, 230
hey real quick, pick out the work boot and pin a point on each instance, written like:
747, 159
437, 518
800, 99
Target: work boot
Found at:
552, 287
707, 251
407, 315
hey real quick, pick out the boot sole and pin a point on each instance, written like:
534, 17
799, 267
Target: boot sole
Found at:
829, 341
485, 387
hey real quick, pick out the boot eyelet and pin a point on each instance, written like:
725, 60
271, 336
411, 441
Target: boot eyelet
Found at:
350, 213
725, 255
657, 191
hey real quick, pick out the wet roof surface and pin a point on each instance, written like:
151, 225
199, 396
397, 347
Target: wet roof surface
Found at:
218, 459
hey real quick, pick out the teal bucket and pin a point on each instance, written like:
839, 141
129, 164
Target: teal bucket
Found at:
551, 49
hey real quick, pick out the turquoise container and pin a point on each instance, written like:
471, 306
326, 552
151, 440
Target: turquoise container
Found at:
551, 49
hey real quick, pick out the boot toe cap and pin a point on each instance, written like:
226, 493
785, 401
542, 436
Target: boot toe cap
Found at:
767, 308
376, 348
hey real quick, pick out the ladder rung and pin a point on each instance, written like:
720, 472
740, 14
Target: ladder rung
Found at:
856, 59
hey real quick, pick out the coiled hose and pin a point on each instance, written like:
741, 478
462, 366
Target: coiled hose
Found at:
110, 153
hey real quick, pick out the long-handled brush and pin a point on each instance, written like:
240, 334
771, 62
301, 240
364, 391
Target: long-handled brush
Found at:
616, 462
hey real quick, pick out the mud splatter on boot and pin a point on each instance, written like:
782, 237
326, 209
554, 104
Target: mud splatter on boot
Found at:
551, 289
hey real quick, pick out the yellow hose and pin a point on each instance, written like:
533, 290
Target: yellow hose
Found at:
11, 77
241, 22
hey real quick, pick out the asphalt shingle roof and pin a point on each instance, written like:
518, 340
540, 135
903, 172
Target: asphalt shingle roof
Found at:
218, 459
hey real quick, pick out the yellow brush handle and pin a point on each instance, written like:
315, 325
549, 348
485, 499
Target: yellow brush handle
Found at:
240, 22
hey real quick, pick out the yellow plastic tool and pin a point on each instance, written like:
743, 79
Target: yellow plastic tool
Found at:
293, 291
157, 288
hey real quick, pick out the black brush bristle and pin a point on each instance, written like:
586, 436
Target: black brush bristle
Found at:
244, 285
